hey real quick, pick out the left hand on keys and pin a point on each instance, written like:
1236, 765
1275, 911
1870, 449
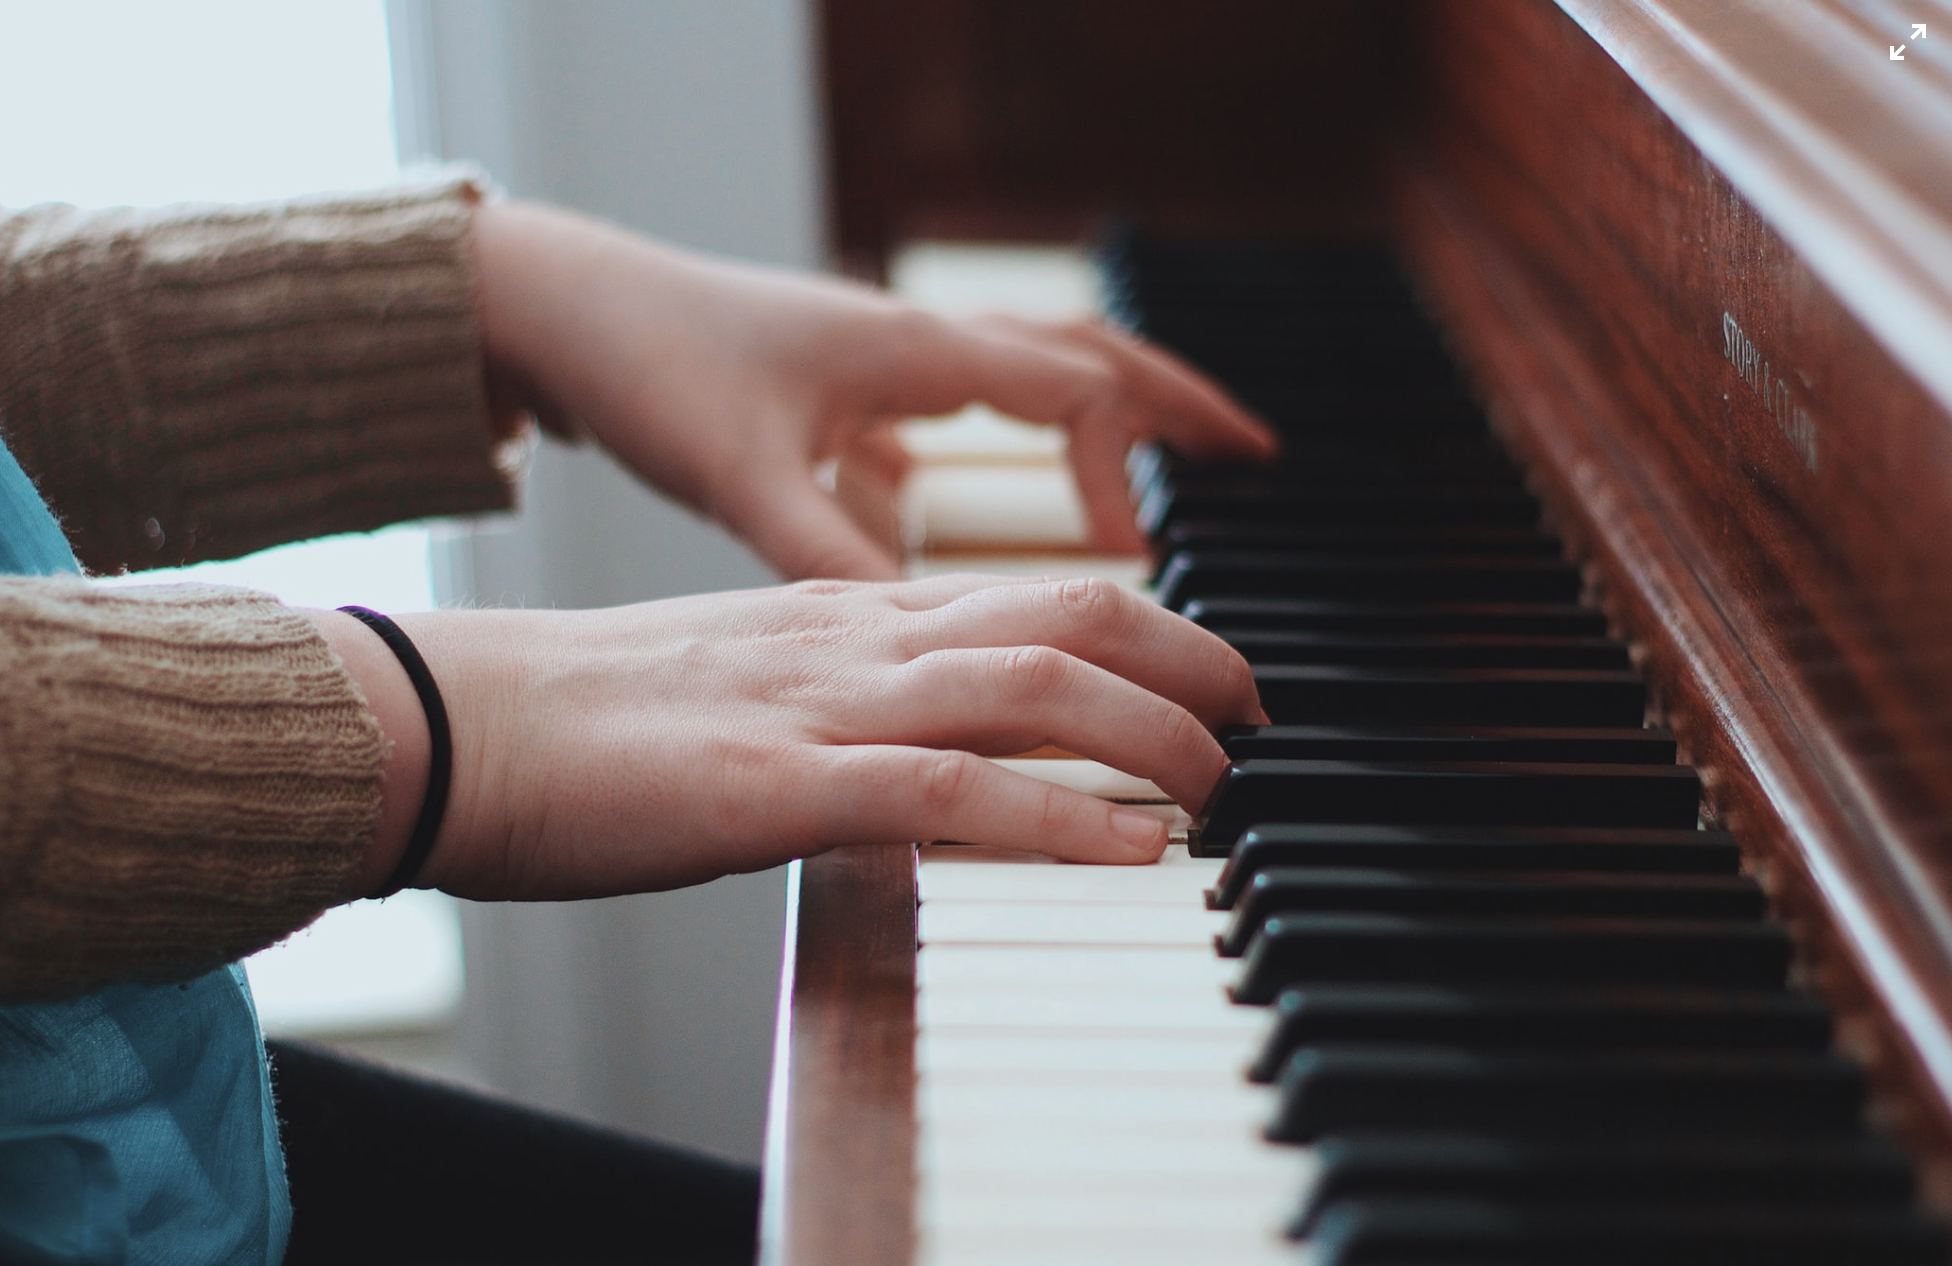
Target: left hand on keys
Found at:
671, 742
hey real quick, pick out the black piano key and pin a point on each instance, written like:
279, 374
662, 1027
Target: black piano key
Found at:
1191, 574
1354, 540
1299, 694
1609, 1174
1646, 746
1373, 468
1325, 408
1495, 507
1448, 793
1467, 894
1538, 1019
1476, 650
1351, 1089
1317, 452
1454, 848
1411, 1232
1531, 619
1313, 459
1297, 949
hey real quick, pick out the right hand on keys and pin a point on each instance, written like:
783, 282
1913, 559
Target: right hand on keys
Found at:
653, 746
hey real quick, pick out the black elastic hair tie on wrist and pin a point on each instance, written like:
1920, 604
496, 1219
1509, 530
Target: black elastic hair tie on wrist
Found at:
440, 743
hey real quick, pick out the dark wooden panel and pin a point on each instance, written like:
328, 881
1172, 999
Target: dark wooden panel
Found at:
840, 1146
1771, 527
990, 119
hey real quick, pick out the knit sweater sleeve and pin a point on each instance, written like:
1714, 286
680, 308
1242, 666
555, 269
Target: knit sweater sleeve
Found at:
201, 382
187, 773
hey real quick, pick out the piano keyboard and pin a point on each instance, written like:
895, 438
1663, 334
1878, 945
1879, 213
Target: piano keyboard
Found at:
1449, 971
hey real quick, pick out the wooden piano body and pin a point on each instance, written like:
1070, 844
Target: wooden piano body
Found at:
1696, 256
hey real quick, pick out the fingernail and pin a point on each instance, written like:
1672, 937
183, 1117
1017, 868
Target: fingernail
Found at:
1141, 832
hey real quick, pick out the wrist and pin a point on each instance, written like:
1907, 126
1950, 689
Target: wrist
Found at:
391, 698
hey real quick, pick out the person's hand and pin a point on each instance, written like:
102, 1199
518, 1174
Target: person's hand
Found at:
727, 385
665, 744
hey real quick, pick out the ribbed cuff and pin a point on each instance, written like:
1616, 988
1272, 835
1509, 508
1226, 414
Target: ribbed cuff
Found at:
201, 382
187, 774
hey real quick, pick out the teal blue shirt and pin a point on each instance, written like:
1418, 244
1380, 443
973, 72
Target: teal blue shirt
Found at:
136, 1122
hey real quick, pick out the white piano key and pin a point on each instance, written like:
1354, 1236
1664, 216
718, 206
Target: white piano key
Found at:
992, 507
1182, 884
1053, 1097
1202, 1008
1262, 1188
1122, 570
1217, 1053
1074, 966
1109, 1246
1130, 1202
1113, 1145
1080, 1092
1027, 923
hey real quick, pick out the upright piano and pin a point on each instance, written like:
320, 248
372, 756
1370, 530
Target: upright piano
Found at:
1591, 898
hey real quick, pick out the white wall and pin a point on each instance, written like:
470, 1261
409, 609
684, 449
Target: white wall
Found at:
694, 120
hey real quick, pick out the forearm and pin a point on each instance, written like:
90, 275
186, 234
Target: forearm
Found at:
390, 697
198, 383
186, 775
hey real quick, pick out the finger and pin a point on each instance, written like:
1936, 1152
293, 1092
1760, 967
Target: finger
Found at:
1104, 387
1099, 443
1031, 373
1103, 624
996, 700
901, 795
1174, 402
880, 451
945, 365
803, 532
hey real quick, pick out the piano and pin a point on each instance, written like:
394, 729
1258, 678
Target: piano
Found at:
1589, 898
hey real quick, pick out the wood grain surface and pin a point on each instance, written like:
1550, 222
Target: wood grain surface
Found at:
1042, 119
1772, 528
840, 1150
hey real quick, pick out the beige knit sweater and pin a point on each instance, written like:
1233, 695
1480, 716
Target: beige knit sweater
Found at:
188, 773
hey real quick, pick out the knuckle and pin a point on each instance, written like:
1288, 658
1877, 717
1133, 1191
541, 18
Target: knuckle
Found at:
946, 780
1239, 675
1092, 606
1032, 671
1182, 731
1054, 815
1084, 600
821, 588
